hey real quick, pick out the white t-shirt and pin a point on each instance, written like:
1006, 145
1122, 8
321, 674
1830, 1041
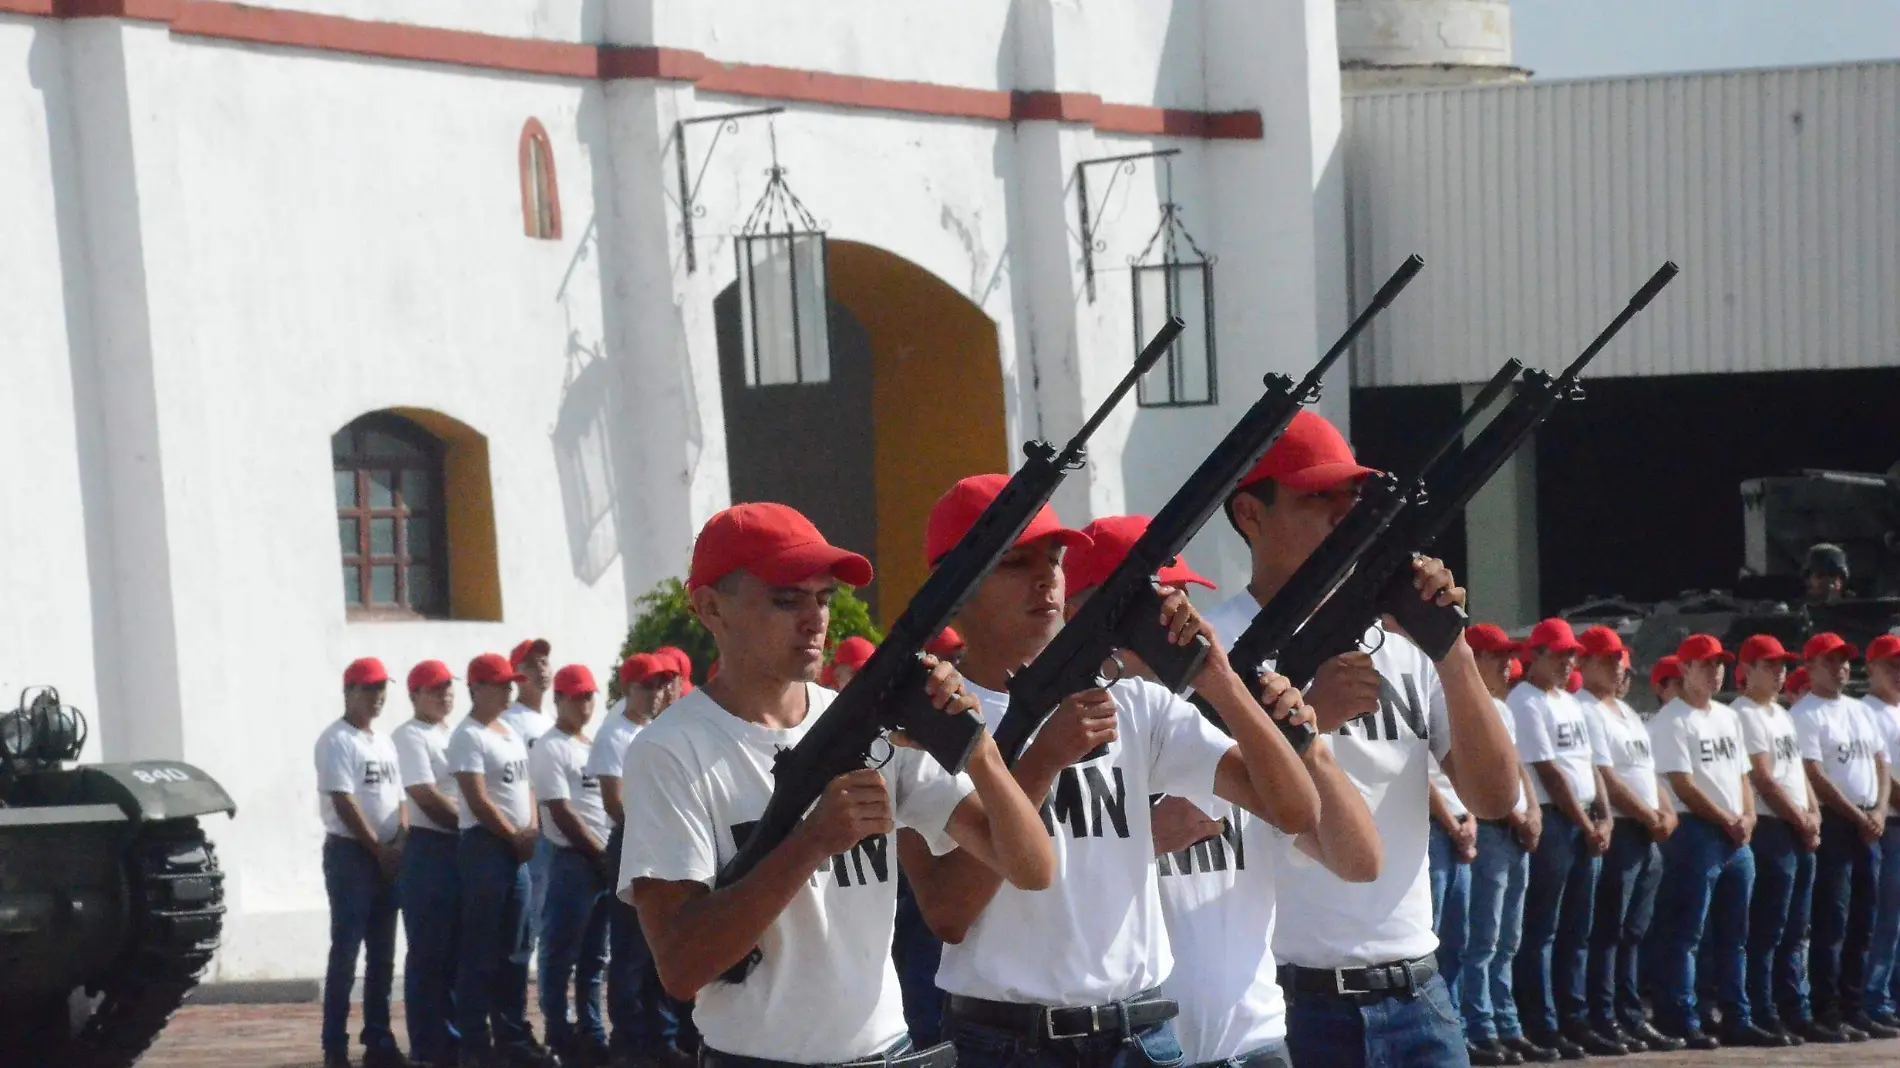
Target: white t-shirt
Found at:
1841, 734
558, 770
1217, 898
1324, 921
609, 755
1626, 752
1097, 935
1705, 745
501, 758
1769, 729
1887, 718
529, 723
422, 752
1551, 726
362, 764
825, 991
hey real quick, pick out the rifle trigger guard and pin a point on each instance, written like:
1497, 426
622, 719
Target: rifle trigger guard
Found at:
1119, 672
1370, 649
875, 762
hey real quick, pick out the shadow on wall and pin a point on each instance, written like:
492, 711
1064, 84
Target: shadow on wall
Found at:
583, 444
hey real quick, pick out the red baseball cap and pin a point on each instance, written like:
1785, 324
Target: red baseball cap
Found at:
958, 510
428, 675
368, 671
1576, 682
1516, 671
1798, 682
678, 657
1602, 641
638, 668
1765, 647
1667, 668
774, 542
531, 647
1490, 638
854, 652
1311, 456
1885, 647
574, 680
492, 668
1555, 635
1697, 648
1110, 540
1827, 645
949, 643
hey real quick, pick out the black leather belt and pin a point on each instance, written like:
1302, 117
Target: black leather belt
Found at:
1395, 977
941, 1055
1043, 1023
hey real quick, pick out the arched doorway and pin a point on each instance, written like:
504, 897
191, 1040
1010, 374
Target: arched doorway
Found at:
914, 403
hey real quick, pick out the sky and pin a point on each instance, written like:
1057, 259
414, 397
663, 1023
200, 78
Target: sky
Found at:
1596, 38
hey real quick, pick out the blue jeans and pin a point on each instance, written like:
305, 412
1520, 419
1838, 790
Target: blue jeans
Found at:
362, 918
984, 1047
1559, 898
1777, 922
491, 975
1493, 929
1626, 899
1846, 891
431, 916
643, 1017
574, 948
1271, 1055
916, 953
1883, 956
1707, 880
1419, 1031
1451, 904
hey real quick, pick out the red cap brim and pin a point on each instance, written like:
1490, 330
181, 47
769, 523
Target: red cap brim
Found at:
801, 562
1179, 575
1557, 647
1786, 658
1322, 476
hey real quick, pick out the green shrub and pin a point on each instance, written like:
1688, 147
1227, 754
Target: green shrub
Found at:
664, 616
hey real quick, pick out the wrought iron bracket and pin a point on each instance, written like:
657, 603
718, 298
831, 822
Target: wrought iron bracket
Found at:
1091, 244
690, 207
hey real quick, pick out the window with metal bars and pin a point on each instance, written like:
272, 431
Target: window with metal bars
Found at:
390, 519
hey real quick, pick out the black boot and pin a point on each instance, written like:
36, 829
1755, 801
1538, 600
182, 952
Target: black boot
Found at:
1739, 1033
1531, 1051
1656, 1040
1822, 1033
1874, 1029
1592, 1043
1486, 1054
1624, 1038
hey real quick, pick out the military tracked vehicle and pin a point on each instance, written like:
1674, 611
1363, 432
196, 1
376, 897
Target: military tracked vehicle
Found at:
1800, 532
111, 899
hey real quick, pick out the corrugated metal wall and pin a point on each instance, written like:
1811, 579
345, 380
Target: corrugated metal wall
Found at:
1540, 208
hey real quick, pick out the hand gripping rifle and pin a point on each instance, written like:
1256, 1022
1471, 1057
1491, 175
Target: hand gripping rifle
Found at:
887, 694
1382, 498
1124, 612
1381, 583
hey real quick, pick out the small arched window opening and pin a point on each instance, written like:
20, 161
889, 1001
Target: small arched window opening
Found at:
540, 195
390, 518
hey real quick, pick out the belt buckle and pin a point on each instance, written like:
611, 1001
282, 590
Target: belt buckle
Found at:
1049, 1024
1339, 983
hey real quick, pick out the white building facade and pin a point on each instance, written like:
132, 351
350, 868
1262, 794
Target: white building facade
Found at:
234, 232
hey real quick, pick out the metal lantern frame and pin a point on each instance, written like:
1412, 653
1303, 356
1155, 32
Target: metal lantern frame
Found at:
780, 230
1169, 238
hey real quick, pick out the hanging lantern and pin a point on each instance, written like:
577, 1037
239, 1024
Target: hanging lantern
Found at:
1176, 285
784, 296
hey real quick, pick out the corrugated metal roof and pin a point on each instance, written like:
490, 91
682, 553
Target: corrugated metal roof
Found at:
1540, 208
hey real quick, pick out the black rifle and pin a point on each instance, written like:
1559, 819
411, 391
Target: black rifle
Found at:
1124, 611
1381, 583
1381, 499
887, 693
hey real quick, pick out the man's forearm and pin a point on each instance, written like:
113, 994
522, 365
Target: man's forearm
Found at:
1830, 795
577, 835
1624, 800
1698, 802
1561, 795
610, 799
1761, 775
1346, 841
352, 816
1283, 792
475, 796
711, 932
434, 804
1019, 847
1483, 759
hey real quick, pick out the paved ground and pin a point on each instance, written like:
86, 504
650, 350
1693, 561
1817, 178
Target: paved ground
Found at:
285, 1036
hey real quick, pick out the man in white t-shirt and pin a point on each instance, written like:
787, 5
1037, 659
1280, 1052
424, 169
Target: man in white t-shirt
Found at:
1069, 975
1358, 959
1216, 876
1883, 956
574, 916
499, 834
1846, 758
1665, 680
1787, 832
431, 898
1556, 741
791, 964
1708, 869
646, 1023
1632, 866
361, 807
532, 660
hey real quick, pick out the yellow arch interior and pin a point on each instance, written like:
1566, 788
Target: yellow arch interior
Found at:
474, 557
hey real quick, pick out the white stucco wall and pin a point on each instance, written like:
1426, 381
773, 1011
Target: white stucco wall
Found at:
292, 239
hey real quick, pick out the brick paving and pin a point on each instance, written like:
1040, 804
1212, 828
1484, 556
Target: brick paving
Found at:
285, 1036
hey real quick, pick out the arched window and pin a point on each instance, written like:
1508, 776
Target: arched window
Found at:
390, 518
540, 196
